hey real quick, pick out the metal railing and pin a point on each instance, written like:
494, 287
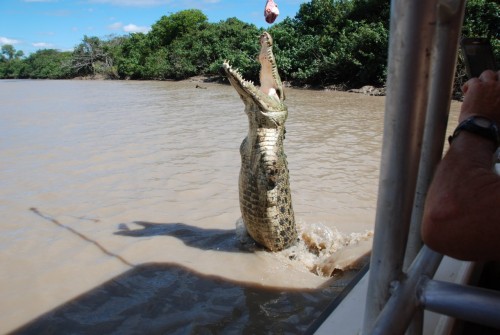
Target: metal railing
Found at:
423, 46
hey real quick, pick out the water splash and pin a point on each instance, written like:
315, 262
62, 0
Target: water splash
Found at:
320, 249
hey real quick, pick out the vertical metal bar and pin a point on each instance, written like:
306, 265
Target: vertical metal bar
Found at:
416, 327
464, 302
411, 35
450, 15
405, 301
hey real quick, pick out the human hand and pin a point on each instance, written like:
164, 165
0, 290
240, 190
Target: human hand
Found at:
482, 96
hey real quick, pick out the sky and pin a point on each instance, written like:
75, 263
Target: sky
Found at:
30, 25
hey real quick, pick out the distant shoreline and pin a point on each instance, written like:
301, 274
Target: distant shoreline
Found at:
367, 90
202, 80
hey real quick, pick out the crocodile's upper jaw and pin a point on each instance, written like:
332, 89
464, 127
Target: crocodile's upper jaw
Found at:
270, 81
269, 96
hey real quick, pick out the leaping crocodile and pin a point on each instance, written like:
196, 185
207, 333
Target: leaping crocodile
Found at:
264, 188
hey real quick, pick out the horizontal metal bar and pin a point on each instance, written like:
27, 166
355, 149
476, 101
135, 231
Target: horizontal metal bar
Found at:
468, 303
404, 302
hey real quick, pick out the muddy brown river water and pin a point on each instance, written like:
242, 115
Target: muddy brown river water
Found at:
119, 205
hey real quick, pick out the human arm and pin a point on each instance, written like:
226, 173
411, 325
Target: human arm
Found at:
462, 210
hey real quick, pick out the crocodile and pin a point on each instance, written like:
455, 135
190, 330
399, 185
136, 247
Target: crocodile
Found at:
264, 187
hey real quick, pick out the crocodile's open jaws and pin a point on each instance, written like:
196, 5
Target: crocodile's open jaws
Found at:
264, 189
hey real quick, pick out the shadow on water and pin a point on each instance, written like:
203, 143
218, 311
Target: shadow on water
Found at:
82, 236
168, 298
192, 236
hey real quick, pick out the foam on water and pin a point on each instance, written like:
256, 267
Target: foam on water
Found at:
321, 250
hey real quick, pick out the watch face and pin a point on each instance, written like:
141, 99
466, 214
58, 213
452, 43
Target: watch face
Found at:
481, 122
481, 126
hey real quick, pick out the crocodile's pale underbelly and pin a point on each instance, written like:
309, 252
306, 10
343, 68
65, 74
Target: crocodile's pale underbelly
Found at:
265, 197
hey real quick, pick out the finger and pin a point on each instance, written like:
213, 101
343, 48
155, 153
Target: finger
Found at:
488, 75
469, 82
465, 88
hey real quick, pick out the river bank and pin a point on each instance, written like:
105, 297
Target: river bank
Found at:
366, 90
202, 81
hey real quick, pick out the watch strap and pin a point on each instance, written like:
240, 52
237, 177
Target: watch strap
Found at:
471, 125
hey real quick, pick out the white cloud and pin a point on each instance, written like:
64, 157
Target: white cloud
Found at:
129, 28
132, 28
148, 3
133, 2
42, 45
115, 26
5, 40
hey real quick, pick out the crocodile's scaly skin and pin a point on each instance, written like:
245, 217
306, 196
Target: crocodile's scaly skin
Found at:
265, 199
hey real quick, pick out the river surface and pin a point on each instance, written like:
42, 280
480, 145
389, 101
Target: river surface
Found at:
120, 210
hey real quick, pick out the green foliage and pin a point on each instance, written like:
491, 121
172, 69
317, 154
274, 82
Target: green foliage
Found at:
323, 17
371, 11
482, 19
182, 59
359, 56
92, 57
112, 47
48, 64
134, 51
231, 40
297, 54
11, 69
157, 65
333, 43
11, 64
10, 53
196, 48
175, 26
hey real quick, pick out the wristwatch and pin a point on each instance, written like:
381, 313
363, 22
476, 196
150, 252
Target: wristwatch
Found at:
481, 126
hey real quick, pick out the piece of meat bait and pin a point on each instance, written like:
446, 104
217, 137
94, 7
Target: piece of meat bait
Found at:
271, 11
